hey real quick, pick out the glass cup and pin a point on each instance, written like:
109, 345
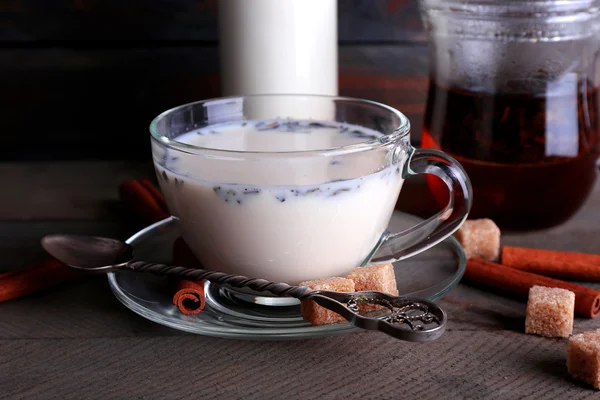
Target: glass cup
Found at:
513, 96
298, 214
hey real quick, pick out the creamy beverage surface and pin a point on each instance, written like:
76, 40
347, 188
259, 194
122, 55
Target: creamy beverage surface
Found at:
285, 217
278, 136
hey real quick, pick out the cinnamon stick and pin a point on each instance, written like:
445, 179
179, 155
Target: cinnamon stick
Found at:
557, 264
514, 282
189, 297
34, 277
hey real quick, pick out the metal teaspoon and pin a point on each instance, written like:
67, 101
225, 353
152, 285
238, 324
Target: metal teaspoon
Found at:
410, 319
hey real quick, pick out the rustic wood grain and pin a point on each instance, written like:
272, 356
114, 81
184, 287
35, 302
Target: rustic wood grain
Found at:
26, 21
472, 365
77, 341
79, 103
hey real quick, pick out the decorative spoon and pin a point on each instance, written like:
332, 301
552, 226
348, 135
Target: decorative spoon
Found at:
409, 319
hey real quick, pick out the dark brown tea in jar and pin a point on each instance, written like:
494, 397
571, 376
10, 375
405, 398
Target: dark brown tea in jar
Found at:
531, 157
513, 97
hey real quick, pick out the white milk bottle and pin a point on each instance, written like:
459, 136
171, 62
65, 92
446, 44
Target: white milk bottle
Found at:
278, 46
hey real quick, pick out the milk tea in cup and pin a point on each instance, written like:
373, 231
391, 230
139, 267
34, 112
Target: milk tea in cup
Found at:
292, 188
305, 218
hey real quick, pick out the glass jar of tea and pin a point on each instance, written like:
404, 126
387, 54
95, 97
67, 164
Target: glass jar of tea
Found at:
513, 96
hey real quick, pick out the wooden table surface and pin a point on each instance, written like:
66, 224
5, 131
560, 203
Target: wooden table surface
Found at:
76, 341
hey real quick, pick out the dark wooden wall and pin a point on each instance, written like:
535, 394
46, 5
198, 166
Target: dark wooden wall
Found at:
82, 79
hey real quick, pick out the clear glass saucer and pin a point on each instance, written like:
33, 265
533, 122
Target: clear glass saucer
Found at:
429, 275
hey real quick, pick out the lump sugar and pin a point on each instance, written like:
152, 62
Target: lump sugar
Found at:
550, 312
314, 313
480, 238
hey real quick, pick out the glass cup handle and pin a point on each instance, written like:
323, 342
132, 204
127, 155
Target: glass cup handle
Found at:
398, 246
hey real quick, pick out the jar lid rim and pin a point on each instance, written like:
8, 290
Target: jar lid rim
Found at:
515, 8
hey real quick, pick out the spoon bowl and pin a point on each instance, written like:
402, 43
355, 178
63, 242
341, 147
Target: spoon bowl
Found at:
88, 253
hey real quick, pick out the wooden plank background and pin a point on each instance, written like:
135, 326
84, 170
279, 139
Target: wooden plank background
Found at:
81, 79
76, 341
28, 21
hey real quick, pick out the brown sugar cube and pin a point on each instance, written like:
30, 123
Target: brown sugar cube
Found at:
550, 312
480, 238
380, 278
314, 313
583, 357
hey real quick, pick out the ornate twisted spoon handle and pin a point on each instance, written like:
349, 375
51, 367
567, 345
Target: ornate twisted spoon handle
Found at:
404, 312
238, 281
102, 255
